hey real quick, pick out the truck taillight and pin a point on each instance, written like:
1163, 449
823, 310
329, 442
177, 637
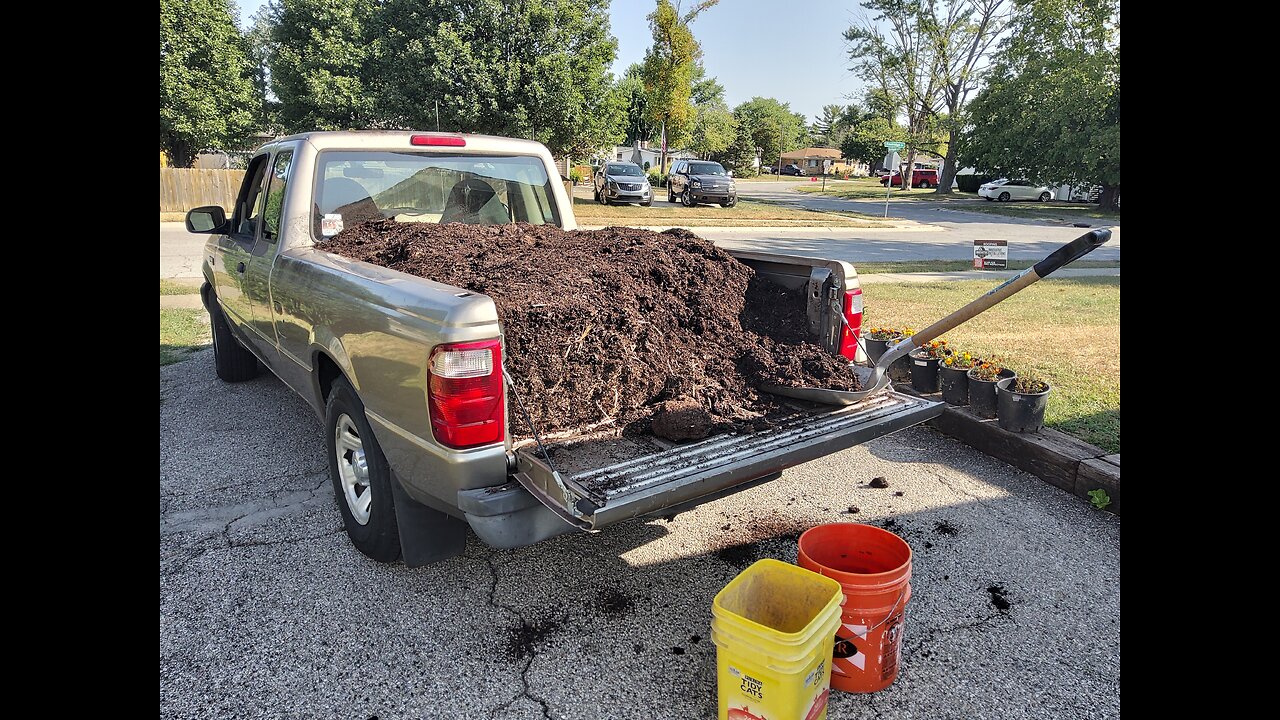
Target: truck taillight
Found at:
852, 315
464, 382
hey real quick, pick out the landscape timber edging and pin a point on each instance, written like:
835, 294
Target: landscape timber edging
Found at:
1055, 457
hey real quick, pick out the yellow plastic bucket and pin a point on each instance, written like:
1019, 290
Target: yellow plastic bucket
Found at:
774, 628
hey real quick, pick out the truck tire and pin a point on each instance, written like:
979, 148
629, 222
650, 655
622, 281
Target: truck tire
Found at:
231, 360
924, 184
361, 477
670, 198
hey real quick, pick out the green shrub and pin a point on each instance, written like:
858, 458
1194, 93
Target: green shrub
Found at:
970, 183
646, 166
657, 179
575, 176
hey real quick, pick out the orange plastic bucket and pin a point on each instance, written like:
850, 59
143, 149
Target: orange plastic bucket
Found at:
873, 567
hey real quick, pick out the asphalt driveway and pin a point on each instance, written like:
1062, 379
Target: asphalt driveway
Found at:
267, 611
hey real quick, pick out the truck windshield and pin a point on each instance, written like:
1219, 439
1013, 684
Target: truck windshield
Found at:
703, 168
356, 186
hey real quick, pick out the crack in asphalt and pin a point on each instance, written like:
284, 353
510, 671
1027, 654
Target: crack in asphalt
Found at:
285, 476
528, 662
277, 508
910, 652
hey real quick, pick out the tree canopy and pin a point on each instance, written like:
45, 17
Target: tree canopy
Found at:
1051, 108
670, 66
207, 97
770, 121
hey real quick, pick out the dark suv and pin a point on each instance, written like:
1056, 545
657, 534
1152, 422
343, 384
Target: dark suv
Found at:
792, 169
701, 181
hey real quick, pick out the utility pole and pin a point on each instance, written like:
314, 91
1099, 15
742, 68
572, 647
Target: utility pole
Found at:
437, 116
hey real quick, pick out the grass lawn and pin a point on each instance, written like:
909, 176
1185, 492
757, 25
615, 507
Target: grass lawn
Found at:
744, 214
926, 266
1067, 331
180, 287
1053, 210
182, 332
866, 189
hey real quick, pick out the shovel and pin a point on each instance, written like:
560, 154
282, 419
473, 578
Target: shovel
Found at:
877, 378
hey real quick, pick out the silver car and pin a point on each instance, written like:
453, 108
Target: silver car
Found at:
622, 182
1005, 190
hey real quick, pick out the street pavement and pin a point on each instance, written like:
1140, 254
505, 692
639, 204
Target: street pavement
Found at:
267, 611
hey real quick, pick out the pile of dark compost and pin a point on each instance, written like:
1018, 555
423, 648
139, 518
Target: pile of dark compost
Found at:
607, 325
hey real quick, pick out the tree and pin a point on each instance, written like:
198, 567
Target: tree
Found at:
536, 69
670, 65
772, 125
964, 38
706, 90
924, 57
826, 126
321, 63
206, 91
635, 103
260, 49
714, 128
1051, 108
865, 140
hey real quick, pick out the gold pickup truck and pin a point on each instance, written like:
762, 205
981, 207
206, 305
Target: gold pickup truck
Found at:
385, 358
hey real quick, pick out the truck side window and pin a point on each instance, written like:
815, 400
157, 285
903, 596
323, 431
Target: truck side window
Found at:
274, 211
249, 201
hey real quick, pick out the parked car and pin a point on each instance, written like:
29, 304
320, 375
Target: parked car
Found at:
701, 181
406, 376
792, 169
622, 182
1005, 190
920, 178
768, 169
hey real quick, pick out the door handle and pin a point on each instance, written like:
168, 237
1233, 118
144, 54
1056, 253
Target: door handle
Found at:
240, 267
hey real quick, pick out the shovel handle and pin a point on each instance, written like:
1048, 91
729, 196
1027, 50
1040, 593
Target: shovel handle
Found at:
1068, 253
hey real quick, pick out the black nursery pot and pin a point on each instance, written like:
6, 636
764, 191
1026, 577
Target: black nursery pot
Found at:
955, 385
924, 373
982, 394
1020, 412
876, 348
900, 370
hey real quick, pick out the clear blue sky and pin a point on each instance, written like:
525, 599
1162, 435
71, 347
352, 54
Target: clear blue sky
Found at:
790, 50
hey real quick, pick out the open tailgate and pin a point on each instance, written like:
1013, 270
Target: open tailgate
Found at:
605, 480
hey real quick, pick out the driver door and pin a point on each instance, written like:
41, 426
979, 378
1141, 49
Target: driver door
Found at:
234, 251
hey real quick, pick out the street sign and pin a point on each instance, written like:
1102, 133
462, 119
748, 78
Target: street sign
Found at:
895, 145
991, 254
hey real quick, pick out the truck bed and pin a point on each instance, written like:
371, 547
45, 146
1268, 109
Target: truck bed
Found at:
610, 478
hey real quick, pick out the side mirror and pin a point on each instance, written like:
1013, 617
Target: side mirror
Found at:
208, 220
730, 173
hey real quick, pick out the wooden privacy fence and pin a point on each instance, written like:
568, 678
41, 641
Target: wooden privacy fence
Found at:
184, 188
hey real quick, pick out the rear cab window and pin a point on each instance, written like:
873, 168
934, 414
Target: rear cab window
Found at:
357, 186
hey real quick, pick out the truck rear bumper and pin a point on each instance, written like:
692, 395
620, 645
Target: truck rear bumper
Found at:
510, 516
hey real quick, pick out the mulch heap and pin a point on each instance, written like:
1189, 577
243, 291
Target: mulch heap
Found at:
660, 332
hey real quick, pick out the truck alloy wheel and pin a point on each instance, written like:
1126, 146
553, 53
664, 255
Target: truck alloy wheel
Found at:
686, 198
361, 476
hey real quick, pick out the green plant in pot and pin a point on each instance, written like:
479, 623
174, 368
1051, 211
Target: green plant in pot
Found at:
982, 386
924, 365
953, 376
876, 340
1021, 403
